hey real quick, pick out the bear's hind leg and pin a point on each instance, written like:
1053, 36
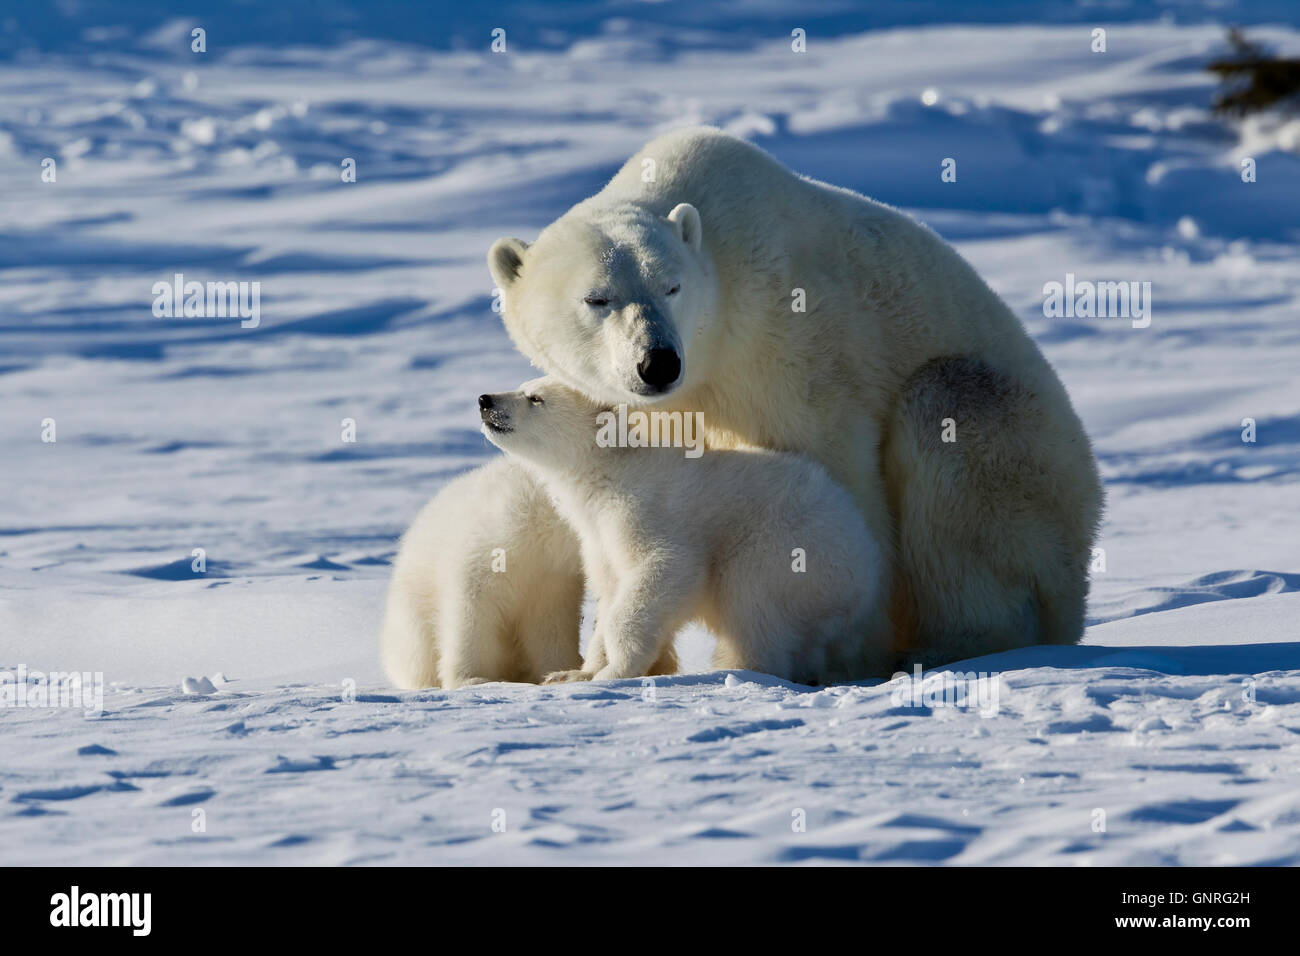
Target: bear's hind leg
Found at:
549, 627
667, 662
753, 637
408, 642
996, 501
775, 660
478, 644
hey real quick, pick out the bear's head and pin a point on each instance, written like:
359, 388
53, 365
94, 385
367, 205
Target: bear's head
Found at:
543, 422
609, 300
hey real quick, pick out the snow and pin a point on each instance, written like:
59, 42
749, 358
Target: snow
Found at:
1168, 737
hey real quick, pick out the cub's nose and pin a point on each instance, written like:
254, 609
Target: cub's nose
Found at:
659, 368
484, 402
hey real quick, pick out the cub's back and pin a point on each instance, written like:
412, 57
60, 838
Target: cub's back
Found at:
728, 493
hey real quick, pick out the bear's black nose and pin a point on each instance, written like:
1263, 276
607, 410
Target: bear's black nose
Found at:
484, 402
659, 368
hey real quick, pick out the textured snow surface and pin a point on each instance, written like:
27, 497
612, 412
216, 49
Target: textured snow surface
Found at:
703, 768
248, 697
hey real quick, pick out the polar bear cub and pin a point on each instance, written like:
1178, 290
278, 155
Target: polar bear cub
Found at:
484, 586
762, 547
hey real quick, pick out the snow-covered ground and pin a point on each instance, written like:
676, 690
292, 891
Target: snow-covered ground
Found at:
1169, 737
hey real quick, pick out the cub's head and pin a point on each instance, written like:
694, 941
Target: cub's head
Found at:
542, 421
609, 301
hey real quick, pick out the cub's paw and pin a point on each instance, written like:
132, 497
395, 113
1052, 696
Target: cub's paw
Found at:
610, 672
565, 677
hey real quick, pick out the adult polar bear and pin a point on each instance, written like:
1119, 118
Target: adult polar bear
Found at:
803, 317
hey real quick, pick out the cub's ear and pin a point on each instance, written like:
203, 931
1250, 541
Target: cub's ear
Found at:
687, 220
506, 261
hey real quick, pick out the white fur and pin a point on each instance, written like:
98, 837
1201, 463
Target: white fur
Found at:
987, 538
668, 539
451, 618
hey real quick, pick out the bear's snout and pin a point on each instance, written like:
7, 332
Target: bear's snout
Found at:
494, 416
660, 368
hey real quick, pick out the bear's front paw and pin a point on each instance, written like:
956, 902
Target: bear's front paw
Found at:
564, 677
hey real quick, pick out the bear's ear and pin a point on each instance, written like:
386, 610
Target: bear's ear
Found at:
506, 261
687, 220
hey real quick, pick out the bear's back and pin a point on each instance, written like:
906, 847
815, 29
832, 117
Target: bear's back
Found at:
706, 167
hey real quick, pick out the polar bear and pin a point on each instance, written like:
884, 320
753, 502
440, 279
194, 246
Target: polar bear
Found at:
801, 317
486, 586
762, 547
